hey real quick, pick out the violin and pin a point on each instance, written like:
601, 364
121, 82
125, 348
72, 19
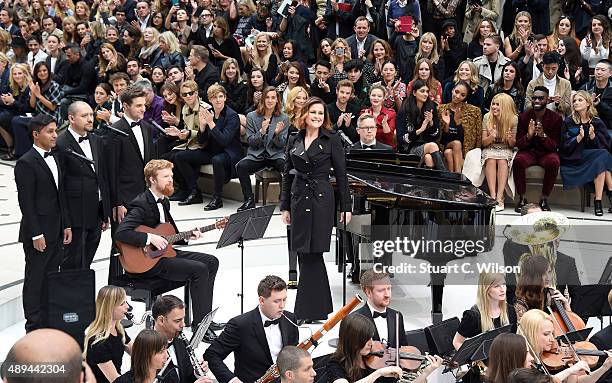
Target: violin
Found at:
561, 356
382, 356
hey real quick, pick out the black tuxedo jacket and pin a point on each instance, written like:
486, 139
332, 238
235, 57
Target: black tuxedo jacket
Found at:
244, 336
128, 178
379, 145
142, 211
81, 181
42, 204
186, 374
391, 314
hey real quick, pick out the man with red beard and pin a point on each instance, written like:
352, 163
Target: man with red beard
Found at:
152, 208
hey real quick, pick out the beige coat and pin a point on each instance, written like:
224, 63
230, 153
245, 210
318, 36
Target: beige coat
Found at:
490, 10
191, 122
563, 89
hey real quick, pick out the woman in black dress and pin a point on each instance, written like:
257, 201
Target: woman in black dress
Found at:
308, 204
105, 338
149, 355
347, 364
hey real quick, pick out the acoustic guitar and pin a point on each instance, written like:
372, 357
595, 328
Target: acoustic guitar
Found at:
136, 260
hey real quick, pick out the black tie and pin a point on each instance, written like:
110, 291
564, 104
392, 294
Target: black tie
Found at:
135, 123
83, 138
377, 314
47, 154
160, 200
368, 146
271, 322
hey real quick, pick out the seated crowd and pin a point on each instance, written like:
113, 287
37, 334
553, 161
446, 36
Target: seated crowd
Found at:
464, 87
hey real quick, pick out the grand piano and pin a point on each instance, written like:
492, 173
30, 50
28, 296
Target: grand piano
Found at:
392, 198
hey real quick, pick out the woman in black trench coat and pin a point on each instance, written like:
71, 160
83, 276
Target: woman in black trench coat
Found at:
308, 204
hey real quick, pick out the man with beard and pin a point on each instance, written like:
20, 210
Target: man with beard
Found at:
87, 190
537, 139
152, 208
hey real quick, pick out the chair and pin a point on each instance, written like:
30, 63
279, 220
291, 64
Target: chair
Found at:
265, 176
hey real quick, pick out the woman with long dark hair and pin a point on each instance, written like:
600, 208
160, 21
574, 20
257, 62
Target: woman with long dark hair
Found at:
508, 352
510, 84
109, 62
485, 28
380, 52
572, 67
563, 28
45, 94
132, 38
596, 44
222, 45
149, 355
308, 204
418, 126
256, 84
294, 77
424, 71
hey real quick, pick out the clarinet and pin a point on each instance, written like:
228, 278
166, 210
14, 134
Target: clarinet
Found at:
195, 363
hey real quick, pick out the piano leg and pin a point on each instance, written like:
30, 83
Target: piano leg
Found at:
293, 274
437, 291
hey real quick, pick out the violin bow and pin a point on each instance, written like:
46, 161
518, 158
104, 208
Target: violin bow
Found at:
397, 340
532, 351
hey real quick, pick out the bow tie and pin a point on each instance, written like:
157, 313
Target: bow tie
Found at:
271, 322
377, 314
47, 154
368, 146
134, 124
161, 200
83, 138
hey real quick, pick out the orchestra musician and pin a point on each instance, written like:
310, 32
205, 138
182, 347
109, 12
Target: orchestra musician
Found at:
295, 365
508, 351
255, 337
347, 363
149, 354
168, 312
603, 338
377, 287
105, 338
308, 204
153, 207
45, 223
538, 329
87, 189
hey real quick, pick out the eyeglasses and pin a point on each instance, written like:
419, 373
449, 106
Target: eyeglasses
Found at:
368, 128
188, 94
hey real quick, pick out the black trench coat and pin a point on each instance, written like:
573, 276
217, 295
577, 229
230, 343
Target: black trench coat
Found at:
307, 191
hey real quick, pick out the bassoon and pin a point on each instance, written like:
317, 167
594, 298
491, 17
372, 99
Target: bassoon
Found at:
312, 341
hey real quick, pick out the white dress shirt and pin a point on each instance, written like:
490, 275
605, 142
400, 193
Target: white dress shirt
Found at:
364, 144
50, 161
381, 324
86, 148
137, 130
273, 336
162, 213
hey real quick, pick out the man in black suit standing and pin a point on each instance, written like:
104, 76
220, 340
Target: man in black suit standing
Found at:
366, 128
168, 313
377, 287
255, 337
134, 151
151, 208
45, 224
86, 186
361, 41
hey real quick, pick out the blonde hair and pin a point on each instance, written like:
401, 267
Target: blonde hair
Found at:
25, 68
108, 298
507, 115
98, 30
154, 166
262, 62
474, 79
514, 35
155, 36
485, 282
87, 11
103, 64
529, 327
434, 56
347, 51
4, 58
290, 103
5, 41
591, 111
171, 41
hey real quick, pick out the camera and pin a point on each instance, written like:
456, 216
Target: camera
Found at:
339, 51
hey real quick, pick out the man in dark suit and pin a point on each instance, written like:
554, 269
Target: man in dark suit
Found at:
343, 113
201, 70
366, 128
133, 151
151, 208
255, 337
168, 313
45, 224
86, 186
361, 42
377, 287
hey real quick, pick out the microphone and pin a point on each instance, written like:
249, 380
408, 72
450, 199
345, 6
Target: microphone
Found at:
345, 138
105, 125
82, 157
158, 127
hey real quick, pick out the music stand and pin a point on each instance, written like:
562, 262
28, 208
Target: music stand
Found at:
244, 226
476, 348
202, 328
606, 276
576, 336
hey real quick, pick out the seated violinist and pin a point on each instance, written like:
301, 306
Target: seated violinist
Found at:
538, 329
377, 287
350, 361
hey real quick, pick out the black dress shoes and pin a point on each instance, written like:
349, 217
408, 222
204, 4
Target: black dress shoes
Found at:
249, 203
544, 204
214, 204
179, 195
217, 326
193, 198
522, 202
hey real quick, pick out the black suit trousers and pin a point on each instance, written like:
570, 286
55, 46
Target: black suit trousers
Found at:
37, 265
313, 300
246, 166
188, 164
199, 269
72, 259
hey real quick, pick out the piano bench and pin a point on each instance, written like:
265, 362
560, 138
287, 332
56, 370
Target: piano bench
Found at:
266, 177
147, 290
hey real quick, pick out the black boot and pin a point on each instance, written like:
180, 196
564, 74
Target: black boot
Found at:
609, 194
597, 207
194, 197
249, 203
214, 204
522, 202
438, 161
544, 204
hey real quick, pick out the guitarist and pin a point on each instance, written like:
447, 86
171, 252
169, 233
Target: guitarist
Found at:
152, 208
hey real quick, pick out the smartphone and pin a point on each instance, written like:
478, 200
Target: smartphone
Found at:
175, 2
294, 3
339, 51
